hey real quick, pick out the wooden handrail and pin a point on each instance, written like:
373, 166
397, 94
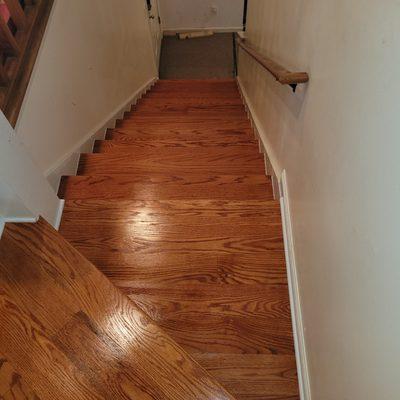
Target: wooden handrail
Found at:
22, 25
281, 74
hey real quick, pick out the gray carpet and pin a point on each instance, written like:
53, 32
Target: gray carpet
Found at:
200, 58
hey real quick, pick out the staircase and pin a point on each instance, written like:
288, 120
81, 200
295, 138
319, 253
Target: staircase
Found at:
176, 210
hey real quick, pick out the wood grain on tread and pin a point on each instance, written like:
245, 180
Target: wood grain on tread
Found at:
175, 208
174, 161
163, 240
183, 134
162, 103
71, 335
12, 385
176, 94
219, 118
254, 376
179, 269
175, 212
189, 109
126, 144
184, 123
212, 319
193, 85
166, 187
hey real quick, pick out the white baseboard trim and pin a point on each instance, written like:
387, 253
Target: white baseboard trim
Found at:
60, 210
295, 303
68, 164
229, 29
21, 220
280, 187
33, 219
16, 220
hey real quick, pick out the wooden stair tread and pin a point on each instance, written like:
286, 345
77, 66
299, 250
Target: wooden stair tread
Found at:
63, 322
131, 144
181, 270
153, 124
190, 94
173, 161
181, 134
254, 376
195, 85
12, 385
197, 300
164, 239
257, 319
129, 269
207, 333
181, 118
188, 109
175, 208
191, 101
178, 212
166, 187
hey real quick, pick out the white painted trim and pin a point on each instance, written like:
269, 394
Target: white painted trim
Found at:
2, 224
16, 220
262, 135
21, 220
229, 29
60, 210
281, 191
295, 301
68, 164
31, 220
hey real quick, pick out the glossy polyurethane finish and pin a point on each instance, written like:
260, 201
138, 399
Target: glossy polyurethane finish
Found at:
68, 333
175, 208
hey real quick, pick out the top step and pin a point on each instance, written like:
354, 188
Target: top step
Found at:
195, 85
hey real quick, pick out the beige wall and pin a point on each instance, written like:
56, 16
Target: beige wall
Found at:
339, 140
24, 191
95, 55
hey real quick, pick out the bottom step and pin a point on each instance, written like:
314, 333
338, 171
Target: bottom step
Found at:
68, 333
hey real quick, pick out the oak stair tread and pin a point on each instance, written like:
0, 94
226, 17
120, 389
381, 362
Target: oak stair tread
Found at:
254, 376
131, 144
173, 161
179, 212
68, 332
188, 109
166, 187
183, 124
154, 102
208, 133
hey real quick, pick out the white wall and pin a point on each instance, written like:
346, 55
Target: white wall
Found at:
183, 15
95, 55
339, 140
25, 193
